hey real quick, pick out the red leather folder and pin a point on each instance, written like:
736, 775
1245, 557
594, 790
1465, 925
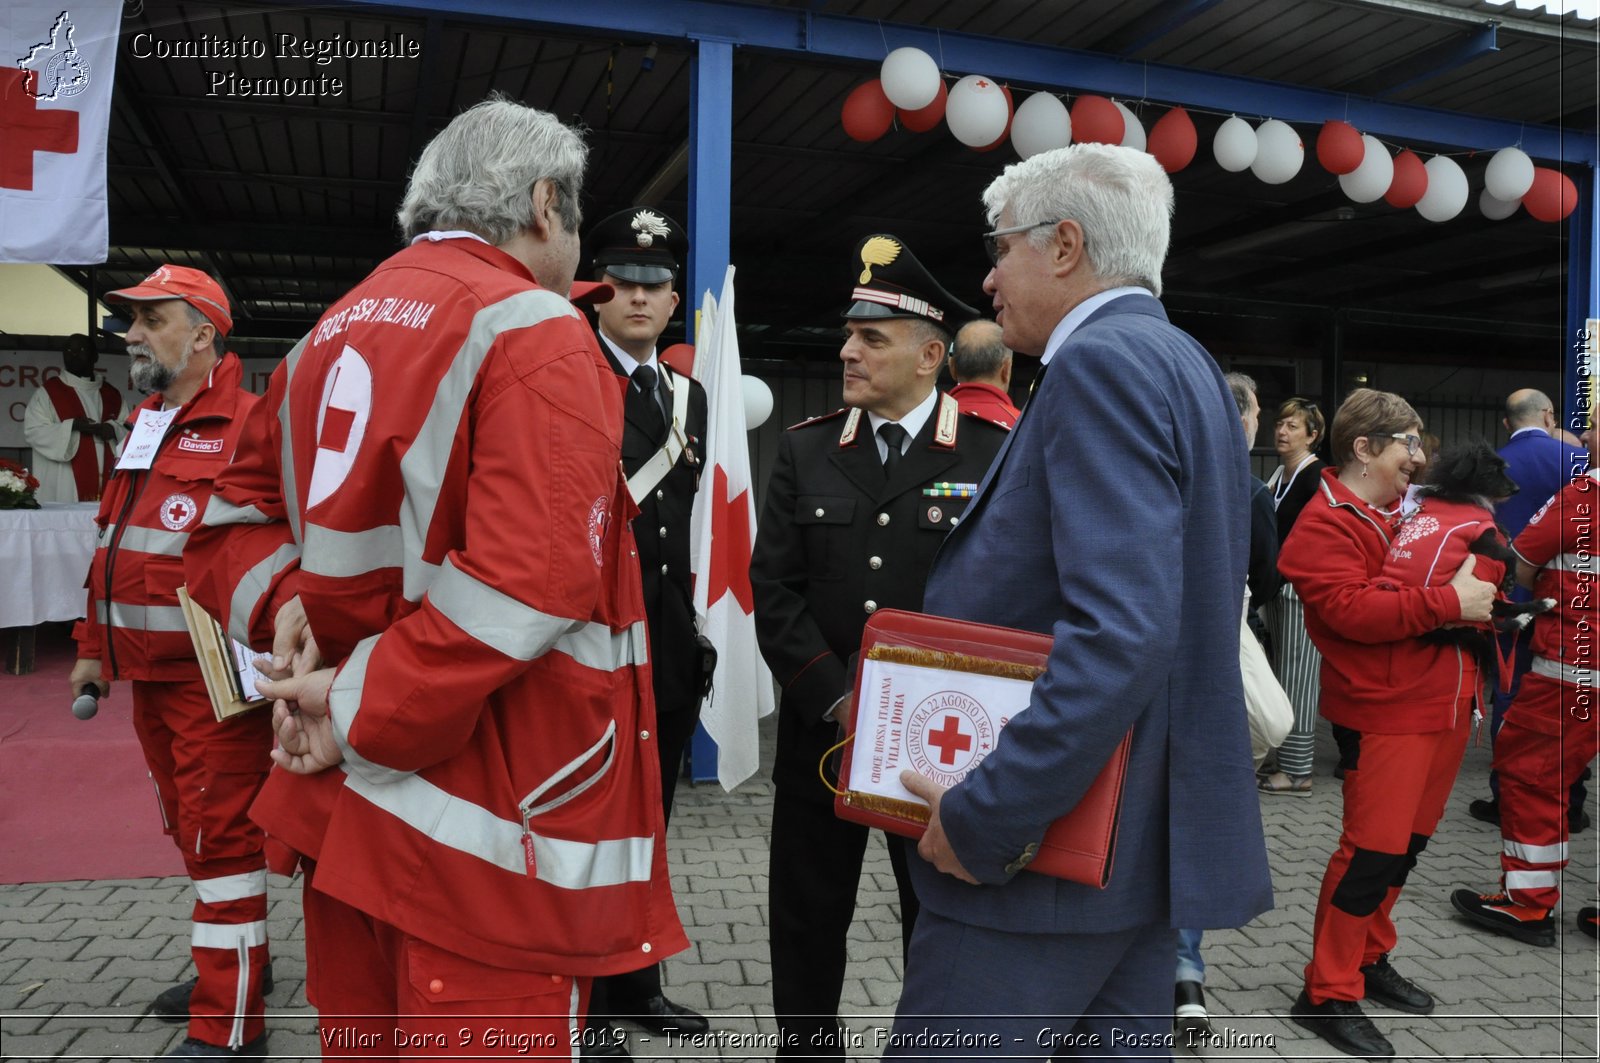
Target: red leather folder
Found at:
1079, 846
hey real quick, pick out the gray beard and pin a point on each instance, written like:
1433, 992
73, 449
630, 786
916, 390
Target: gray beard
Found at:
151, 376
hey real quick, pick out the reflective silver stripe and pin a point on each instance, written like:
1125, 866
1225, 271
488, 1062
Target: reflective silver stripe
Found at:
253, 587
572, 1026
1573, 563
1527, 880
497, 620
344, 703
1571, 674
423, 467
152, 540
527, 806
141, 617
229, 935
597, 646
231, 887
474, 830
291, 497
219, 511
341, 554
1536, 854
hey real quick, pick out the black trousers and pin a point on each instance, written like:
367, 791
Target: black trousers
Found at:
625, 994
812, 879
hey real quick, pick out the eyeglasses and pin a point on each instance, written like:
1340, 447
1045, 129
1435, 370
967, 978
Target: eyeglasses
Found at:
991, 241
1413, 442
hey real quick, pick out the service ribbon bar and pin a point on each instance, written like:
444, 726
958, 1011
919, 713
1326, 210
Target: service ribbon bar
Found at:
944, 490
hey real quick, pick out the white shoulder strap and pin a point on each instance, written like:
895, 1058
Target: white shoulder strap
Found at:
641, 483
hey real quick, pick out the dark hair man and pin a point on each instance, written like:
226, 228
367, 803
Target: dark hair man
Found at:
74, 424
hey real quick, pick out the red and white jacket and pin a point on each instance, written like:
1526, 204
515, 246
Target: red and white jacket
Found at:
1431, 544
1376, 675
1560, 542
134, 624
435, 471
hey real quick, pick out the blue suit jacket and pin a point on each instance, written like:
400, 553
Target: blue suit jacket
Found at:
1117, 518
1540, 465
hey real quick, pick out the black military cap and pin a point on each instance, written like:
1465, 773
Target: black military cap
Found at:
638, 244
890, 282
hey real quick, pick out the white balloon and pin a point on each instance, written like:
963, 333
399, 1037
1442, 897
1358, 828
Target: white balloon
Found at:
910, 78
1040, 124
976, 111
1234, 145
1496, 209
1279, 152
757, 401
1447, 190
1509, 176
1132, 131
1370, 180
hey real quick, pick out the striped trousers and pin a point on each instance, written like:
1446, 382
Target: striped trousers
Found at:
1299, 668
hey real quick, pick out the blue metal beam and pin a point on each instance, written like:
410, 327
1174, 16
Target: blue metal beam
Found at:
1426, 64
832, 37
710, 205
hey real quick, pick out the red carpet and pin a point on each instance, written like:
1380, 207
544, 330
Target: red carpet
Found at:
76, 801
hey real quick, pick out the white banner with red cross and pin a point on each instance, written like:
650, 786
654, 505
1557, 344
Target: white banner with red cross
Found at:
58, 60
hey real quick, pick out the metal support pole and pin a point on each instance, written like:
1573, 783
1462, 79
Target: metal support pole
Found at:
1583, 308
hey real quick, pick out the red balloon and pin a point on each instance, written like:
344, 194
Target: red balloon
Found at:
1339, 147
1010, 113
1409, 183
1553, 195
1096, 120
867, 113
1173, 139
925, 118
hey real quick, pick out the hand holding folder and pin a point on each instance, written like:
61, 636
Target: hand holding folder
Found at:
932, 695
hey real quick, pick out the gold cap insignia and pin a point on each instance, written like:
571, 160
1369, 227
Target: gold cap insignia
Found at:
648, 225
877, 251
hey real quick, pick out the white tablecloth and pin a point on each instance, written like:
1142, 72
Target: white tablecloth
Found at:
44, 555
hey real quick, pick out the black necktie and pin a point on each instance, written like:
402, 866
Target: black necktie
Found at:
894, 438
1037, 379
644, 378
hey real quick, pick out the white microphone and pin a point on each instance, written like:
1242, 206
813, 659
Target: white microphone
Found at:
87, 703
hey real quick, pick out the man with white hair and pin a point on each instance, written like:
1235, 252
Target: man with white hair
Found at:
433, 488
1116, 520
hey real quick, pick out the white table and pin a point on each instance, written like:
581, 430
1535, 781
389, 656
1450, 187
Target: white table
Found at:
45, 555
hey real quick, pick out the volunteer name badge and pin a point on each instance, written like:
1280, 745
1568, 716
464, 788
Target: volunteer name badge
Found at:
938, 722
145, 439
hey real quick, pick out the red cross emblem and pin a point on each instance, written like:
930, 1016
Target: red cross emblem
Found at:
24, 129
177, 511
950, 740
982, 84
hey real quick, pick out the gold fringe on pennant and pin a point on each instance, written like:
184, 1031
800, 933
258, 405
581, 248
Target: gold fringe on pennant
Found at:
889, 806
954, 662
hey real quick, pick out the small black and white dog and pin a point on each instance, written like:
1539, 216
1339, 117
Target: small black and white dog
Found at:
1470, 477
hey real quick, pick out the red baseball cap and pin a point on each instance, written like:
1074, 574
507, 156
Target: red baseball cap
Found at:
590, 293
193, 286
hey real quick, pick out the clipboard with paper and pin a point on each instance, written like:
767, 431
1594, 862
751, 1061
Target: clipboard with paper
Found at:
933, 694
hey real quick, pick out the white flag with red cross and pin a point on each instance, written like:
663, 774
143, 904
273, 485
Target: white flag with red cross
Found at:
722, 532
58, 59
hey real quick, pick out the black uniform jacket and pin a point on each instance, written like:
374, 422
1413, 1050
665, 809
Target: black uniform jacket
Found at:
836, 542
662, 532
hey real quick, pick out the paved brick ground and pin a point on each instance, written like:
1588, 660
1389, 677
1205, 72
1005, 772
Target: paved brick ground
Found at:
80, 961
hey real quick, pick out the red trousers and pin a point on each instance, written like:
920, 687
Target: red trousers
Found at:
1549, 736
1395, 789
380, 992
206, 774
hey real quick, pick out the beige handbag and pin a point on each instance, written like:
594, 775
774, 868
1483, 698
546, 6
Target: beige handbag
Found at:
1266, 706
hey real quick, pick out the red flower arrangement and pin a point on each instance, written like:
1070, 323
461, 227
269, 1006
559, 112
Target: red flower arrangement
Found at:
17, 486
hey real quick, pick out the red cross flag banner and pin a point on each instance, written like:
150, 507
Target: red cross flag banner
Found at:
933, 695
722, 531
57, 63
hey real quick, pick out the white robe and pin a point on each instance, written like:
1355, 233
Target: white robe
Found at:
54, 442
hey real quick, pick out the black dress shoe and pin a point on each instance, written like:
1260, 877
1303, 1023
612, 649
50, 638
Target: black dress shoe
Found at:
1589, 921
1487, 811
1343, 1025
192, 1049
1388, 986
1577, 821
601, 1040
173, 1004
658, 1015
1189, 1016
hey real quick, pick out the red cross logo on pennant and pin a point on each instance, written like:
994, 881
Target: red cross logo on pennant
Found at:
24, 129
949, 740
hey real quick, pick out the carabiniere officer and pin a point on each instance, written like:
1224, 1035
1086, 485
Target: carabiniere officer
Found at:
857, 504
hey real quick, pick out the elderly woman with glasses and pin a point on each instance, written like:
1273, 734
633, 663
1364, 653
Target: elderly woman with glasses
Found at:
1401, 709
1296, 433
